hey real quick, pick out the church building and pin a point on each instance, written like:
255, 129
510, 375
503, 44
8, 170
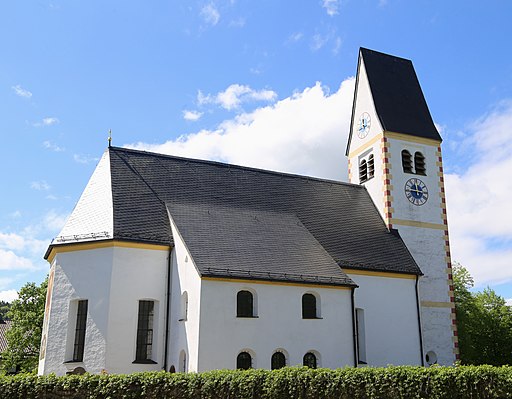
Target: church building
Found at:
176, 264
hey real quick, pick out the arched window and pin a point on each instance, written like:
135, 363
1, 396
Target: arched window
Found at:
278, 361
371, 166
309, 360
406, 161
243, 361
419, 164
244, 304
363, 172
184, 306
308, 306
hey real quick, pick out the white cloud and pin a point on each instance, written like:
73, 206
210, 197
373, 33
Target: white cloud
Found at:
478, 200
47, 122
41, 185
331, 6
15, 215
8, 295
84, 159
291, 135
318, 41
10, 261
55, 221
21, 92
26, 242
237, 23
192, 115
233, 97
52, 146
210, 14
337, 45
295, 37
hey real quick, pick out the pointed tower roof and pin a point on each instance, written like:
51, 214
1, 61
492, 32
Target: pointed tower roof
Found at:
397, 95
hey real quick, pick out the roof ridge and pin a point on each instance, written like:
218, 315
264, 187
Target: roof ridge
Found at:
228, 165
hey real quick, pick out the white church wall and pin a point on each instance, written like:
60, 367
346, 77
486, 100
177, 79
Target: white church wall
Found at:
79, 275
137, 274
278, 325
184, 336
390, 319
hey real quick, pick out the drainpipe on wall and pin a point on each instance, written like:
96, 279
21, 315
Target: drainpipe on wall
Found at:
354, 332
419, 320
168, 307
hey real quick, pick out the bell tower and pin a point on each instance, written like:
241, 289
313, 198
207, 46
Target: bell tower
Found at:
394, 150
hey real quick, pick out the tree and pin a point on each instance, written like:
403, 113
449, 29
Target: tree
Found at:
24, 336
4, 308
484, 322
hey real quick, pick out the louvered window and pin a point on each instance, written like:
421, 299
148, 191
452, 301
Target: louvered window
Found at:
278, 361
419, 164
81, 322
244, 304
371, 167
407, 162
363, 171
144, 349
308, 306
243, 361
309, 360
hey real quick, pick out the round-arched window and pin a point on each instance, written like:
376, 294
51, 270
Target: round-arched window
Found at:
278, 361
309, 360
243, 361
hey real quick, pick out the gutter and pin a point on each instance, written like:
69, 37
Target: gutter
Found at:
167, 307
354, 332
419, 320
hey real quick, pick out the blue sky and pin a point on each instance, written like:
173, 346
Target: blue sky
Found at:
267, 84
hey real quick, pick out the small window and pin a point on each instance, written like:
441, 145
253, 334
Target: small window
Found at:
243, 361
278, 361
244, 304
419, 164
81, 322
184, 306
363, 171
371, 167
361, 339
407, 161
308, 306
144, 351
309, 360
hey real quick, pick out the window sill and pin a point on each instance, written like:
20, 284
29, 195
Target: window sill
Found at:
247, 317
312, 318
73, 362
146, 361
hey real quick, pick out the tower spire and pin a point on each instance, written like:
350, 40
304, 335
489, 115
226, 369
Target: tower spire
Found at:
110, 138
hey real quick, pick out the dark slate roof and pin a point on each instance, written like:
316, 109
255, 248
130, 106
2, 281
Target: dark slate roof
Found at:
398, 98
340, 216
254, 243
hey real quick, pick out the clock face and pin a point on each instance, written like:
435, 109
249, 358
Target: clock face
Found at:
416, 191
363, 126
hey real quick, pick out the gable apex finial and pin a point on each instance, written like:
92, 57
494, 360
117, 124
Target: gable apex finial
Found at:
109, 138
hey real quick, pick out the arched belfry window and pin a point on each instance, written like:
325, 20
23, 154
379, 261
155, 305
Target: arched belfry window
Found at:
309, 360
371, 167
308, 306
244, 304
407, 161
419, 164
363, 171
278, 361
243, 361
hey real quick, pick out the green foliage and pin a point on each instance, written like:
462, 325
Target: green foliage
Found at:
486, 382
24, 336
484, 323
4, 308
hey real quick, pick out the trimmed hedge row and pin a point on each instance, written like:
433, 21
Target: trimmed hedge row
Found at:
291, 382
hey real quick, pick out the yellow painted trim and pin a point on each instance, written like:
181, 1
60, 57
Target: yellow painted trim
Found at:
414, 139
413, 223
365, 146
433, 304
290, 283
83, 246
379, 274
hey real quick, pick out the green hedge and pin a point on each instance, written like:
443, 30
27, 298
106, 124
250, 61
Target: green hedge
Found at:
291, 382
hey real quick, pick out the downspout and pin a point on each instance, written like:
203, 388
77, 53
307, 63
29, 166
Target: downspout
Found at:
354, 332
419, 319
167, 307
